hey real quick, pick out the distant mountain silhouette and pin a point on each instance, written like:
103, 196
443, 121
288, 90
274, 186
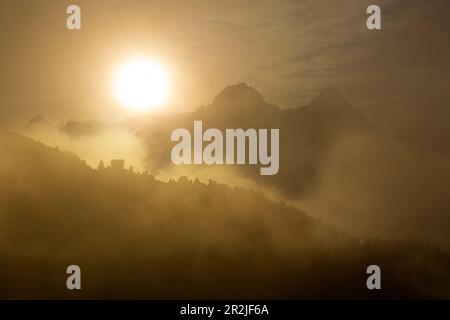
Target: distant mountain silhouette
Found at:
305, 133
345, 170
137, 237
339, 166
38, 122
240, 99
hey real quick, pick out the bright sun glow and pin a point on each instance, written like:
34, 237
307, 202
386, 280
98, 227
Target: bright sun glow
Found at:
142, 84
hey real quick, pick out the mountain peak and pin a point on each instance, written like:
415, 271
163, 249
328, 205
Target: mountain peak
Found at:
330, 98
240, 93
333, 109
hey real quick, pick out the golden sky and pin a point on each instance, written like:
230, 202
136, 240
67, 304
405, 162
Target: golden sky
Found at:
288, 50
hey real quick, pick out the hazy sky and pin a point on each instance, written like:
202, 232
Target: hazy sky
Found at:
288, 50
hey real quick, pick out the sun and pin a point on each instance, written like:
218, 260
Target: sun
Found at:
142, 84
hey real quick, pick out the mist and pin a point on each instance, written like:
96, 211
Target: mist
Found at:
103, 144
138, 237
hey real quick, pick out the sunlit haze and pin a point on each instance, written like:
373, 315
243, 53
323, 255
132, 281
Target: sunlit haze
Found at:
245, 150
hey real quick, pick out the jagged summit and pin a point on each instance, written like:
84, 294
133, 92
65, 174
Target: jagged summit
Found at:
240, 94
244, 97
331, 109
240, 99
330, 98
